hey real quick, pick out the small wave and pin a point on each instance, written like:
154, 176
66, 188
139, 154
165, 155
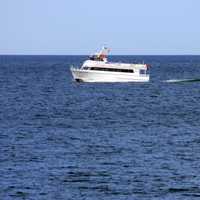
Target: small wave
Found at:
181, 80
190, 190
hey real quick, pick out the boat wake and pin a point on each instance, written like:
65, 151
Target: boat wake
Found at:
181, 80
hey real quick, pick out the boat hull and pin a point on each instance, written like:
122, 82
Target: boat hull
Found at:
102, 76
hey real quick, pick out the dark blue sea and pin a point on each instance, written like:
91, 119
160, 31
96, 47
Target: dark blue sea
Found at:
97, 141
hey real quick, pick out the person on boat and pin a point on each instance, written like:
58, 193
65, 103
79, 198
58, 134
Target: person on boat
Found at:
100, 56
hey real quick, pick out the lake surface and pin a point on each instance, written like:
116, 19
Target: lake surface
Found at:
91, 141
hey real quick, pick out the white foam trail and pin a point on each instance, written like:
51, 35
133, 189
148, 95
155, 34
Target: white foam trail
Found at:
175, 80
181, 80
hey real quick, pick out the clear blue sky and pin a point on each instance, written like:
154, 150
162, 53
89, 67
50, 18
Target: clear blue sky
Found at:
62, 27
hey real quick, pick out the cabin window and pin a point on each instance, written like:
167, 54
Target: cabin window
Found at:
112, 69
86, 68
142, 71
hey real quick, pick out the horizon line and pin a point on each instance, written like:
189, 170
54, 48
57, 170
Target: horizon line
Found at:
108, 55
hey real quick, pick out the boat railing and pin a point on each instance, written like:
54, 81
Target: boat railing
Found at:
75, 68
72, 67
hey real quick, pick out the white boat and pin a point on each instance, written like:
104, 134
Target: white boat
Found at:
98, 69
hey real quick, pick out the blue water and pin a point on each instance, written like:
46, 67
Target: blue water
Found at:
65, 140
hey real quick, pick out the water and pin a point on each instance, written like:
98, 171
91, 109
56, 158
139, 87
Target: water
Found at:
65, 140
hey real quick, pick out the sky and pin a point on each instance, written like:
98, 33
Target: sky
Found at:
81, 27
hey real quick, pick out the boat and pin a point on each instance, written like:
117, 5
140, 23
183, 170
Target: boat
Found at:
98, 69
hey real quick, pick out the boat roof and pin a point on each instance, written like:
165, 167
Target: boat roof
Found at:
116, 65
